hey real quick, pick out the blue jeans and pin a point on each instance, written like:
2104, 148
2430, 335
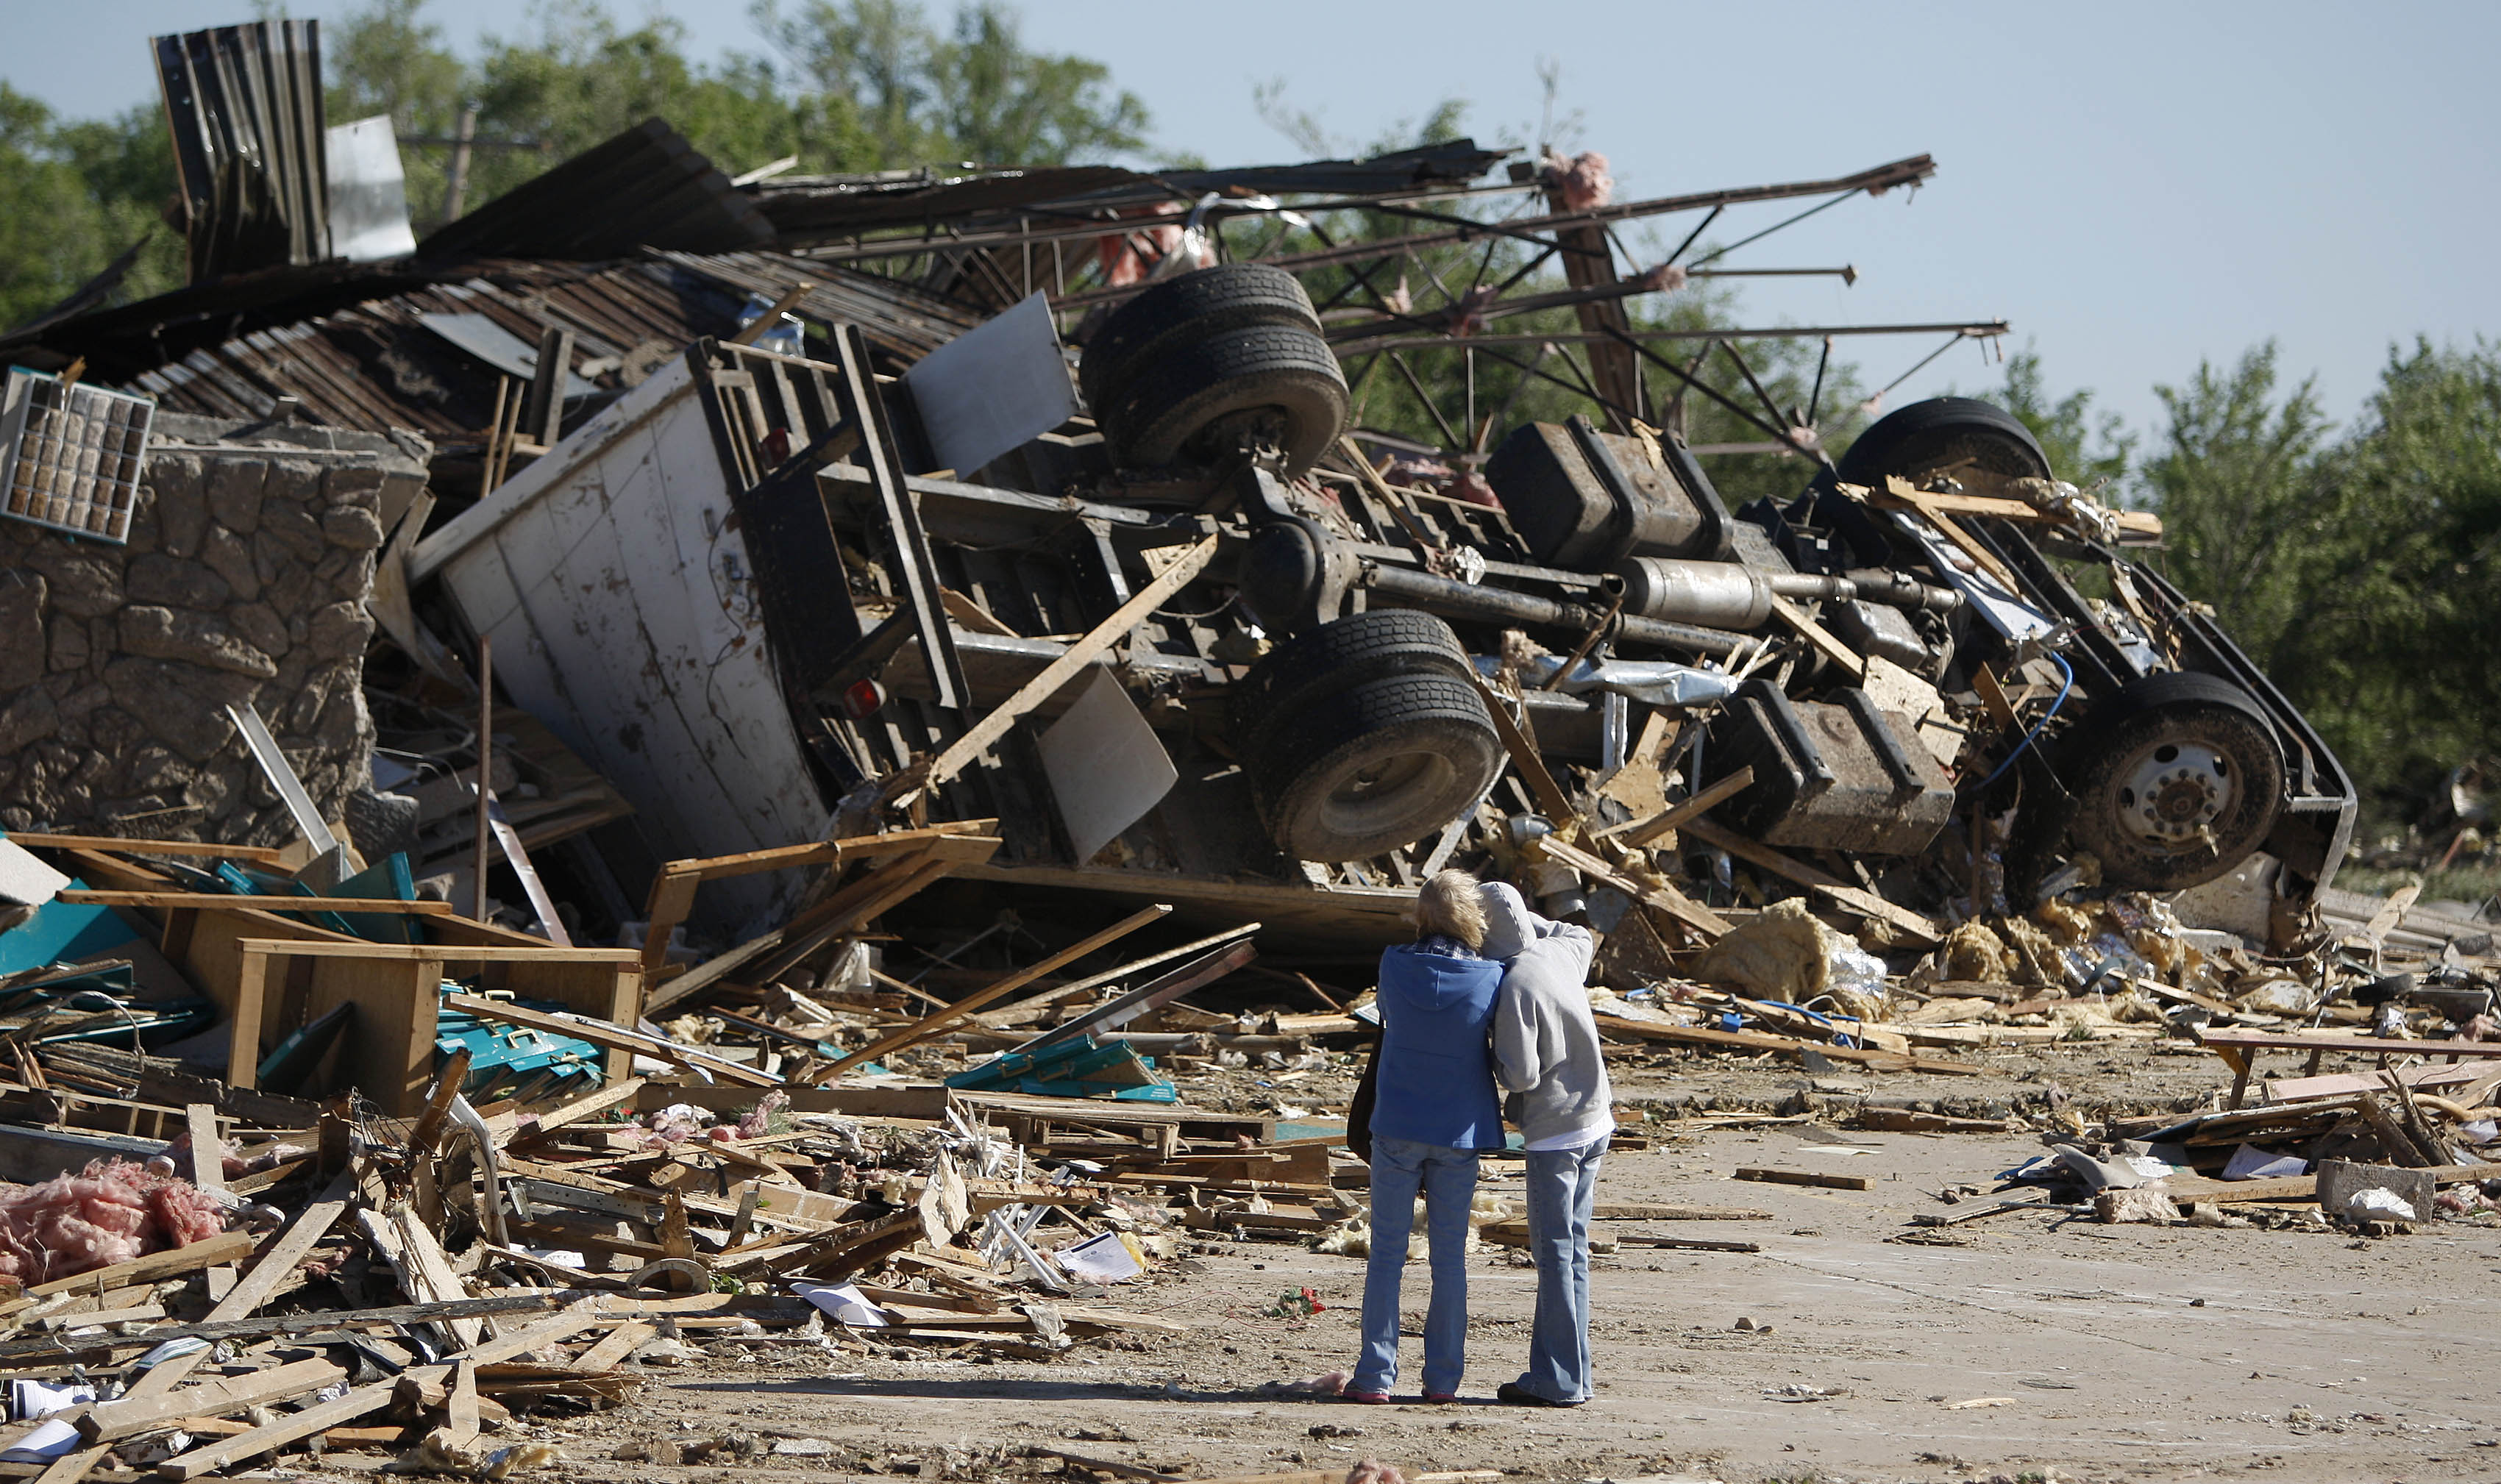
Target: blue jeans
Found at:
1448, 1177
1562, 1191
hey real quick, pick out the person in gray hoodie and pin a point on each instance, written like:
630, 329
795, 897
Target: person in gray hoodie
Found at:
1546, 1057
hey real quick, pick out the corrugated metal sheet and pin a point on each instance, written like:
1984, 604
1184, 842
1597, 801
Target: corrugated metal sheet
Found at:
820, 209
245, 104
646, 187
376, 366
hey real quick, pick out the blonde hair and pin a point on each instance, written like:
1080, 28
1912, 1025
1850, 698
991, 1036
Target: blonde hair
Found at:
1450, 905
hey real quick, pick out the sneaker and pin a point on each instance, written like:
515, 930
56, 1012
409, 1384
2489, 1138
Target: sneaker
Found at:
1514, 1393
1367, 1398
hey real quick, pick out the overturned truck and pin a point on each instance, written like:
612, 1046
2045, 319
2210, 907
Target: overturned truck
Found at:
1199, 641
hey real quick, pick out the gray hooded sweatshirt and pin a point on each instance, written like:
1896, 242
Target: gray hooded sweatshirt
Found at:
1546, 1044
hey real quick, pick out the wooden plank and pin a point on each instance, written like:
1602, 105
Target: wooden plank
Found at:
1757, 1040
548, 1120
673, 897
613, 1347
452, 953
985, 733
1821, 638
1864, 903
608, 1034
1815, 1177
1687, 1243
1524, 756
208, 1163
1665, 898
2270, 1040
218, 901
938, 1020
436, 1282
1006, 1014
174, 1263
855, 903
460, 1411
364, 1400
825, 852
1657, 826
2430, 1077
1999, 508
448, 1082
209, 1174
1934, 513
106, 1421
259, 856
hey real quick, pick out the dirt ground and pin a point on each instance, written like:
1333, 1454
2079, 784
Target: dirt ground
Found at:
2075, 1351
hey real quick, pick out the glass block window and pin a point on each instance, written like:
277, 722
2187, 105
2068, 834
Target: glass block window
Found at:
70, 454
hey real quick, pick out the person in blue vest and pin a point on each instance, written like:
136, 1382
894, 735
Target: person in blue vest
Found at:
1434, 1110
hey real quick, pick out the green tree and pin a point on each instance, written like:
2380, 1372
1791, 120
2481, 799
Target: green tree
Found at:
2395, 595
2358, 572
72, 198
2235, 479
2084, 450
1000, 103
976, 94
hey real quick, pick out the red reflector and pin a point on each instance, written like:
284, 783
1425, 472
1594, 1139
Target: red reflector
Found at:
861, 699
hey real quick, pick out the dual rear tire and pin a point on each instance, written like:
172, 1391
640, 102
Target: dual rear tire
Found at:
1363, 736
1200, 365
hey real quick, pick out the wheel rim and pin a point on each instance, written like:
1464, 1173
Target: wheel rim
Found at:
2172, 794
1385, 792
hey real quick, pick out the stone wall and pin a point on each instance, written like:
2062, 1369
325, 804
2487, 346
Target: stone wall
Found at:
245, 580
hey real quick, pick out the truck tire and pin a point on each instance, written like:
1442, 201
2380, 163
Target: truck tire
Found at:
1191, 306
1940, 431
2174, 779
1337, 656
1382, 764
1198, 398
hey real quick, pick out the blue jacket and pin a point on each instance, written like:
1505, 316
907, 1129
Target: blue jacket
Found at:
1436, 1081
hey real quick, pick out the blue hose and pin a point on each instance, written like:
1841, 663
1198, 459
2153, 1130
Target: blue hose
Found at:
2066, 684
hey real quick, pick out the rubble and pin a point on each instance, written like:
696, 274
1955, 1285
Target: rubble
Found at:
946, 794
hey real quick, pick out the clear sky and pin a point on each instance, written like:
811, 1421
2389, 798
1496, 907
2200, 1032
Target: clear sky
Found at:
2136, 186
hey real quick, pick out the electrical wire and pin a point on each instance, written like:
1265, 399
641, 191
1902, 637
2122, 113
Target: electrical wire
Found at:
2066, 685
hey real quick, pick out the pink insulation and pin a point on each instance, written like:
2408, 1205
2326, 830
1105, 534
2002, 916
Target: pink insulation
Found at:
110, 1212
752, 1123
1665, 279
1129, 256
1581, 181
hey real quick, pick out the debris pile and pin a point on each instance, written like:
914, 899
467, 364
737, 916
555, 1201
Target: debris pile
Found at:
680, 768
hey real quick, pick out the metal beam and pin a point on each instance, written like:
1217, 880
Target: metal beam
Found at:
917, 569
1972, 330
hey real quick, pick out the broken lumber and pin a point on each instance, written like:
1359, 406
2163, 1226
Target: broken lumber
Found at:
1661, 895
1815, 1177
939, 1020
1657, 826
124, 1416
1757, 1040
673, 890
1688, 1243
1524, 756
1866, 903
985, 733
609, 1033
364, 1400
173, 1262
856, 901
